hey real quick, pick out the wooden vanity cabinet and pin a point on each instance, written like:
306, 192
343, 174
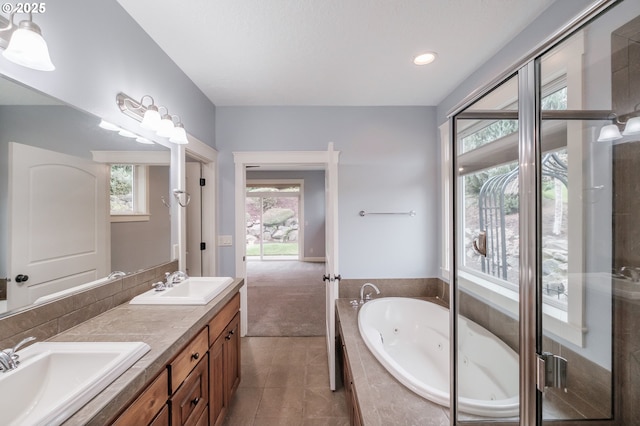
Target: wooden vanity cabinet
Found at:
150, 408
351, 397
196, 387
224, 364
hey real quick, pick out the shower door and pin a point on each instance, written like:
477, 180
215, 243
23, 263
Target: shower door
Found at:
546, 256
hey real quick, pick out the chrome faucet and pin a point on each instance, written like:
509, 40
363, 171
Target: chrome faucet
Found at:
9, 359
631, 273
116, 274
174, 278
364, 298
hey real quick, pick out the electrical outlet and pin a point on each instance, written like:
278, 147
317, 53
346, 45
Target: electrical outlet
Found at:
225, 240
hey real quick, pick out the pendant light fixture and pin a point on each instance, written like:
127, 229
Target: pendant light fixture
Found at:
179, 134
25, 45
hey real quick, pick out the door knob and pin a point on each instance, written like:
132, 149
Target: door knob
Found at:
21, 278
480, 243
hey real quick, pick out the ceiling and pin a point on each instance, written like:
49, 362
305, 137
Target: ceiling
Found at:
330, 52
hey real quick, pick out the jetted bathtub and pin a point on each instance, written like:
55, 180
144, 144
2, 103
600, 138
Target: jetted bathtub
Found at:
410, 338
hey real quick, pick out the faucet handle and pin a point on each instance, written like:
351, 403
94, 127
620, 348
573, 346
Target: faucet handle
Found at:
12, 351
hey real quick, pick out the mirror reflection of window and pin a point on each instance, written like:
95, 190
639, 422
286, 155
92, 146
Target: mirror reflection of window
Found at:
128, 191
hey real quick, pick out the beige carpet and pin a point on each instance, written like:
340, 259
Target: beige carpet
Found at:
285, 298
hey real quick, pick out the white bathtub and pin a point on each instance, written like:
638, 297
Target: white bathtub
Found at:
410, 338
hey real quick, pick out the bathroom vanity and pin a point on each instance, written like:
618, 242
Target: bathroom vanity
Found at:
189, 375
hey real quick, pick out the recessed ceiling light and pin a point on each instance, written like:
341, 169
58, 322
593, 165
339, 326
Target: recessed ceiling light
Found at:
425, 58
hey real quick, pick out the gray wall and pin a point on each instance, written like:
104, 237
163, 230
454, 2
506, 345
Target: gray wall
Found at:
314, 206
98, 51
137, 245
388, 162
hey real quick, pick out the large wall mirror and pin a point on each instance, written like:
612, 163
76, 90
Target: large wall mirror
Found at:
63, 205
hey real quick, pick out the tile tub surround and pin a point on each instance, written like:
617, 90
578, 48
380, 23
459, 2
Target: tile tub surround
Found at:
397, 287
167, 329
48, 319
382, 399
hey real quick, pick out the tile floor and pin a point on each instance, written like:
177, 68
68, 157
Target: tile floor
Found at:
285, 382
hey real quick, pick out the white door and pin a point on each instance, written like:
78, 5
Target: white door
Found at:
194, 220
58, 222
332, 277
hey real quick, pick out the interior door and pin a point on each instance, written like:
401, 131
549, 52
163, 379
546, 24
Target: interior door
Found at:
194, 219
332, 277
61, 246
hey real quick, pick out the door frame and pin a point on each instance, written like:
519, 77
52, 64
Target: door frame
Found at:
305, 160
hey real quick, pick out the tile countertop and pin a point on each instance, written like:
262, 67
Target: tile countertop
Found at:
383, 400
166, 328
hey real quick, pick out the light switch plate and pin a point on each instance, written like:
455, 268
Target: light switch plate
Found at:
225, 240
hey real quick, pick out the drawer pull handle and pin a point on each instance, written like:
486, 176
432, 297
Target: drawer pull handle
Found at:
195, 401
195, 355
228, 337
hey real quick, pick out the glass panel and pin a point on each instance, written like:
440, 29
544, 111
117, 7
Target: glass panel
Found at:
487, 283
590, 232
272, 227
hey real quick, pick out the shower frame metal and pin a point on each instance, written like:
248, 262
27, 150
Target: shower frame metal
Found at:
529, 116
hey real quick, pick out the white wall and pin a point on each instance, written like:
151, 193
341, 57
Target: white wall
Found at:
388, 162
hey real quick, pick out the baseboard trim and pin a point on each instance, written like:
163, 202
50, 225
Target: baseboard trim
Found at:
314, 259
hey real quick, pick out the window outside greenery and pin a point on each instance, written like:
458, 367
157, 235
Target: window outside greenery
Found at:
122, 184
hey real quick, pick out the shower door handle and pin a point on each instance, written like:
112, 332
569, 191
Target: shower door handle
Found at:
480, 244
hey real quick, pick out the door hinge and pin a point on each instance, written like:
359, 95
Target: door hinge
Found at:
551, 371
203, 246
203, 181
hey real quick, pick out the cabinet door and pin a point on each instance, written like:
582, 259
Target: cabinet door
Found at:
232, 357
143, 410
217, 401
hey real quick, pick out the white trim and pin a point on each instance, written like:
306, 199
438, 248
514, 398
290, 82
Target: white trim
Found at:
314, 259
149, 158
286, 159
116, 218
445, 200
208, 157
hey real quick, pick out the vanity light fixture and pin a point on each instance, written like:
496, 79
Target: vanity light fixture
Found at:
611, 132
179, 134
166, 126
24, 44
150, 118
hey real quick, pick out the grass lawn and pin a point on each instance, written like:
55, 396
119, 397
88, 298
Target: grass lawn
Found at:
273, 249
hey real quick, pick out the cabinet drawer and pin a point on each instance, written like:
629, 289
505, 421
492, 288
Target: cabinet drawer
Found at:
161, 419
222, 318
204, 418
192, 396
187, 359
148, 404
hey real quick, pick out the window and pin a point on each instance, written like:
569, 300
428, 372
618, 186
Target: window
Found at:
128, 193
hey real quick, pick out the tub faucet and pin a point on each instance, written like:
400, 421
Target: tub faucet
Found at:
364, 298
116, 274
630, 273
9, 358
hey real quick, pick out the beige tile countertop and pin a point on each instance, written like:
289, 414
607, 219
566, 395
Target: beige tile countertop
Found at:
166, 328
382, 399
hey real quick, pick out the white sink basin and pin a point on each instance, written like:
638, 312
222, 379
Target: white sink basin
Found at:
192, 291
55, 379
